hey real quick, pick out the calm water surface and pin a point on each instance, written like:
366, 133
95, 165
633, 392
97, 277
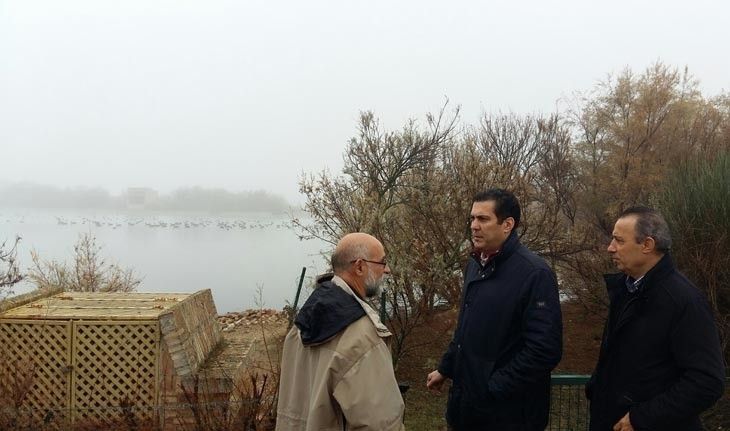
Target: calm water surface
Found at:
230, 254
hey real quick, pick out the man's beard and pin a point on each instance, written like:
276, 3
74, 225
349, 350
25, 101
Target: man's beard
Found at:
373, 287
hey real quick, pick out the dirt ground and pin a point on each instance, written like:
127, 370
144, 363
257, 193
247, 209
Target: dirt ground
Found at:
582, 332
251, 339
581, 340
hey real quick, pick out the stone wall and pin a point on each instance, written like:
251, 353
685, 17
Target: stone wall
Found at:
190, 332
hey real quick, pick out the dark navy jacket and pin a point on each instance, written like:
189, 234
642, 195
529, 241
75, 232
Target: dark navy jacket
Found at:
660, 357
327, 312
507, 340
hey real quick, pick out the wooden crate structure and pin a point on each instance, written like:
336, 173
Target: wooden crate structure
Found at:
103, 357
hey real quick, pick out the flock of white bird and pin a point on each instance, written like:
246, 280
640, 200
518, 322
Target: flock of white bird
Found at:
118, 222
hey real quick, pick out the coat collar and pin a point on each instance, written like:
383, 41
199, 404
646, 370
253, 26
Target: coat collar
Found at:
615, 282
380, 328
508, 247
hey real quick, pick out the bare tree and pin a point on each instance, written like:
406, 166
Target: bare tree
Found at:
629, 133
413, 190
88, 273
388, 188
9, 270
573, 173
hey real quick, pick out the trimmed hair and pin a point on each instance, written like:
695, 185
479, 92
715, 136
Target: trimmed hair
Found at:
650, 224
341, 259
505, 204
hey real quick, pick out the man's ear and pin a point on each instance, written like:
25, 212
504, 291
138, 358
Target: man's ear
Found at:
648, 246
508, 224
357, 267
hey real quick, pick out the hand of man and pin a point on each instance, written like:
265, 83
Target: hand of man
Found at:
435, 380
624, 424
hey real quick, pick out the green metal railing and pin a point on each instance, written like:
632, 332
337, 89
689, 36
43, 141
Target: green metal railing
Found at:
568, 404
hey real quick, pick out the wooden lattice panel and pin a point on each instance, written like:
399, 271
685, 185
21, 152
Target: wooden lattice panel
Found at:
115, 363
36, 356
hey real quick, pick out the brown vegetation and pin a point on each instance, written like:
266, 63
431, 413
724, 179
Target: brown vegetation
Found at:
9, 270
88, 273
616, 146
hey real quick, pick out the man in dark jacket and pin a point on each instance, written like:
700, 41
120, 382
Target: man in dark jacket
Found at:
660, 363
509, 334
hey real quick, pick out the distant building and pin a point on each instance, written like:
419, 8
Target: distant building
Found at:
141, 197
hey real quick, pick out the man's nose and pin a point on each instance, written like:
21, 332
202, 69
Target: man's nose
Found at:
386, 269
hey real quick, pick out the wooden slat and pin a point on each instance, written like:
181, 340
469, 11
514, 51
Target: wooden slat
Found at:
95, 305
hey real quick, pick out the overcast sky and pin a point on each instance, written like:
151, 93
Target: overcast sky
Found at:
249, 94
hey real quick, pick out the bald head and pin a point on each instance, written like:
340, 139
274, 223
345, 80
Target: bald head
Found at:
351, 247
359, 259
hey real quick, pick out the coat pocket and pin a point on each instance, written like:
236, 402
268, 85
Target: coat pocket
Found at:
474, 376
481, 398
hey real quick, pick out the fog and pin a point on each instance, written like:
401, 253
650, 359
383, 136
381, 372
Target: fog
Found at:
247, 95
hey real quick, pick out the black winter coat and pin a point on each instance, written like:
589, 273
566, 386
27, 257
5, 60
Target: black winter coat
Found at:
660, 356
508, 339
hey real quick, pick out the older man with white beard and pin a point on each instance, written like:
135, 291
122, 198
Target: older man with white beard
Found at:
336, 369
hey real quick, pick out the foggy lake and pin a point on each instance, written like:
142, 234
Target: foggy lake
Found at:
230, 254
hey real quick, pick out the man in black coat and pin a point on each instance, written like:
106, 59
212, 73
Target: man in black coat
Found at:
660, 363
509, 334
